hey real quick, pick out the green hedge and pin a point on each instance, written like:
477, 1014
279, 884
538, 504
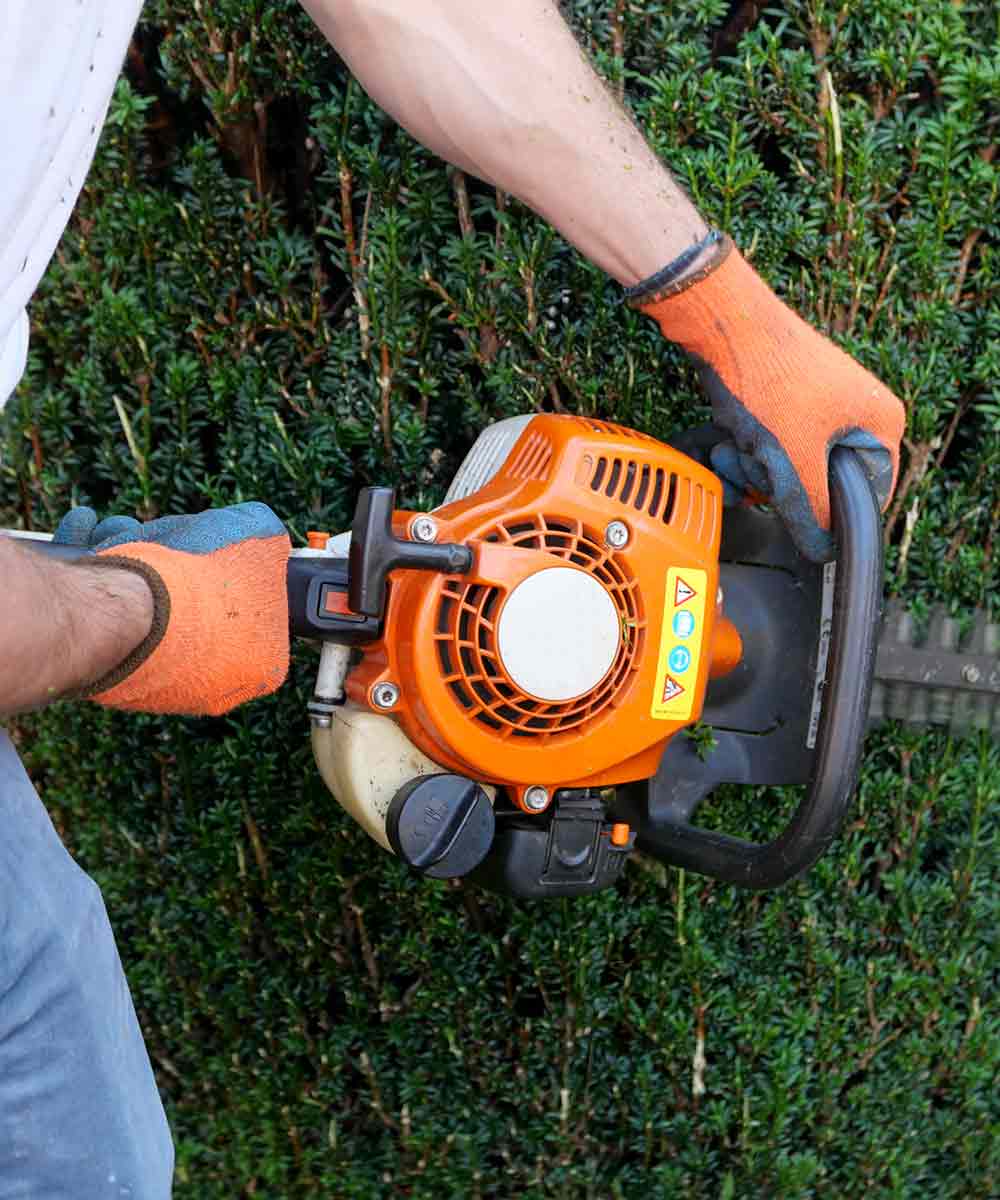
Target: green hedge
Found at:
290, 299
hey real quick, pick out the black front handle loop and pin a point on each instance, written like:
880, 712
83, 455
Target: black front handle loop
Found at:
857, 610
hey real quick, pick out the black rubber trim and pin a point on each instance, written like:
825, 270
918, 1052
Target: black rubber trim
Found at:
854, 633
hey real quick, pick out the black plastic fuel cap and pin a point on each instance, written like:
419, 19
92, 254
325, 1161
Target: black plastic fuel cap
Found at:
442, 825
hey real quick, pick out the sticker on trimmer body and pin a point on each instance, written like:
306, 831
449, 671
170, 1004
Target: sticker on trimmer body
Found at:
681, 638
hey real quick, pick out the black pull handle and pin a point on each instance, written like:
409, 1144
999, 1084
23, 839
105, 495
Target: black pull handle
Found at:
375, 552
857, 608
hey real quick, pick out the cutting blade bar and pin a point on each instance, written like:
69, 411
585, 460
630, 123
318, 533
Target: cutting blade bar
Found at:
942, 671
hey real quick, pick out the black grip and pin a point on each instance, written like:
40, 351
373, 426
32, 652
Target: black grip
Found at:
315, 581
857, 608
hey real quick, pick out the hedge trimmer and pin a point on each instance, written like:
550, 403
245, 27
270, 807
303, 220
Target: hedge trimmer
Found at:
503, 680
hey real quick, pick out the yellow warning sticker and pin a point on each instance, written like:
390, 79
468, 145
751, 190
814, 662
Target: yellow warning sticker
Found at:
681, 638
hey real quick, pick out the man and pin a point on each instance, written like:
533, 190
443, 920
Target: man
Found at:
189, 614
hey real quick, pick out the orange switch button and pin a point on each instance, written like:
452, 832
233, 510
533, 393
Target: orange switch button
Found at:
619, 834
334, 601
317, 540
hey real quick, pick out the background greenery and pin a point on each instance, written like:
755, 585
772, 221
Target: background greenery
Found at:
288, 299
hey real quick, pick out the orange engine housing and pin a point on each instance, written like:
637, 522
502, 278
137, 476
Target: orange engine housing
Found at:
550, 504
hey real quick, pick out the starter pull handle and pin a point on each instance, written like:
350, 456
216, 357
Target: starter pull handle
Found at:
857, 610
375, 551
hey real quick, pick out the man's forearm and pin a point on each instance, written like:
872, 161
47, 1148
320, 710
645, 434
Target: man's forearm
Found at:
63, 626
504, 92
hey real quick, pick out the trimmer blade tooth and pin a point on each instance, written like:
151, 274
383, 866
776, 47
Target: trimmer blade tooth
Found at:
983, 637
919, 708
899, 624
941, 707
982, 712
876, 706
898, 702
943, 630
961, 714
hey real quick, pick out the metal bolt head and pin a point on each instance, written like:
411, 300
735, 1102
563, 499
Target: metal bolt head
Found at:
536, 798
424, 529
385, 695
971, 673
616, 535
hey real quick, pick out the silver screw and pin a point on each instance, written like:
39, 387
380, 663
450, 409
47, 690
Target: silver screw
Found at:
424, 529
971, 674
616, 535
385, 695
321, 721
536, 798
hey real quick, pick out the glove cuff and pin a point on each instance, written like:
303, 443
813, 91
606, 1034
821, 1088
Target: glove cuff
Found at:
161, 617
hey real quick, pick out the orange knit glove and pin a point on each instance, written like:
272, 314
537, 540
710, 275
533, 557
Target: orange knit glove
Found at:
220, 620
784, 392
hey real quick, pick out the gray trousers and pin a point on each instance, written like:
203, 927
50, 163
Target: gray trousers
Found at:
80, 1116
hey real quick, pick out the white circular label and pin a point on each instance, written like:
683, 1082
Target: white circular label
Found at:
558, 634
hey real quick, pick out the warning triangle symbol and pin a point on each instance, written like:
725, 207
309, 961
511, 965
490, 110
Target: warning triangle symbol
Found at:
671, 690
683, 592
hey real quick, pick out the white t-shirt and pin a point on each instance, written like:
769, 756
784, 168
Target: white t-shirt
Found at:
59, 60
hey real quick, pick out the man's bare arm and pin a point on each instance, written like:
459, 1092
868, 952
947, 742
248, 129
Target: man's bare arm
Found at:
504, 92
63, 626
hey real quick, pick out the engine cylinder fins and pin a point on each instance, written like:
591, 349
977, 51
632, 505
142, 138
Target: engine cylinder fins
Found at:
938, 675
467, 638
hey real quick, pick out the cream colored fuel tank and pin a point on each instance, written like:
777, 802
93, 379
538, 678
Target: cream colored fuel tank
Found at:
364, 760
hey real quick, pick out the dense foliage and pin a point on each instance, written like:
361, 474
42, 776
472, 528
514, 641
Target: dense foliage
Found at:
269, 291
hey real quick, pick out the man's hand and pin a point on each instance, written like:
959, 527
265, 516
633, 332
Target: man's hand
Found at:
785, 393
219, 630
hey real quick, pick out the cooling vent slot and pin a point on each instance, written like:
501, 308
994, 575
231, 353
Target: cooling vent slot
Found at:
466, 637
650, 489
674, 499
